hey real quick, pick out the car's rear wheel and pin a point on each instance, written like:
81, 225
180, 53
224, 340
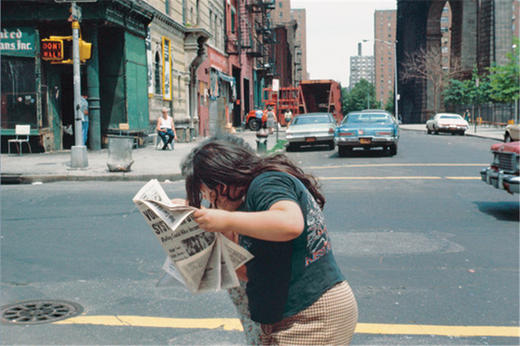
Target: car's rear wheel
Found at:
462, 133
331, 145
507, 138
343, 151
393, 149
428, 131
292, 147
254, 124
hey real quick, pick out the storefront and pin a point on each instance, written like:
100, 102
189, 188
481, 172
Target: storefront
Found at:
218, 100
40, 92
20, 100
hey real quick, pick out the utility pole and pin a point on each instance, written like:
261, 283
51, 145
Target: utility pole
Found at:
78, 152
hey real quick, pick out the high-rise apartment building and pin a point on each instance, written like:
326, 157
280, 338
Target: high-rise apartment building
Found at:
361, 67
299, 15
384, 53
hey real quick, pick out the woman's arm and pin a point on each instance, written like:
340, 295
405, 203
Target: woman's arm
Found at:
282, 222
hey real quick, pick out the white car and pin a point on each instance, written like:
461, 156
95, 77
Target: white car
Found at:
512, 133
447, 122
311, 129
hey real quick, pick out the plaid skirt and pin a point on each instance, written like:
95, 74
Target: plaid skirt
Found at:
330, 320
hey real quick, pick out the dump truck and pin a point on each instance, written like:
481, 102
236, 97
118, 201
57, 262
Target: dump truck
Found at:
320, 95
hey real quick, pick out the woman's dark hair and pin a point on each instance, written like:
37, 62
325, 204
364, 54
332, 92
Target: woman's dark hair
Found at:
224, 161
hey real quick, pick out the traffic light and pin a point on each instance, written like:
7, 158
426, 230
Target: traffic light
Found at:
58, 49
52, 49
85, 49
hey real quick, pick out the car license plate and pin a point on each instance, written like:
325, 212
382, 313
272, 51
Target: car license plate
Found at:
365, 140
310, 139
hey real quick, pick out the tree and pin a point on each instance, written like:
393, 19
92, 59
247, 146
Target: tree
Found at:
390, 105
504, 80
426, 65
362, 96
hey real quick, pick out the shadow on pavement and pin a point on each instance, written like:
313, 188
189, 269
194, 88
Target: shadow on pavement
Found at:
505, 211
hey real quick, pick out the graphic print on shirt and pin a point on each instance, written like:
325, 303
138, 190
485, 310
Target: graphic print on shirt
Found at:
318, 243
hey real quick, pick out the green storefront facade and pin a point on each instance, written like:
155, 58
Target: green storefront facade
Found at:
40, 93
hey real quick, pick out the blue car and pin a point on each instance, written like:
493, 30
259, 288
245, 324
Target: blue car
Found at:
367, 129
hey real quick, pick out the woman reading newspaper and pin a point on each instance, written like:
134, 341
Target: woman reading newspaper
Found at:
295, 289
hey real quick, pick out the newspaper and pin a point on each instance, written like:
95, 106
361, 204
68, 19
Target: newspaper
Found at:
203, 261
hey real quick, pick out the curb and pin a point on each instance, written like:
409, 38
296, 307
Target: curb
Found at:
12, 179
466, 134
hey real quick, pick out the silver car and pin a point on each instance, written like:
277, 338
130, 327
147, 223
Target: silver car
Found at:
311, 129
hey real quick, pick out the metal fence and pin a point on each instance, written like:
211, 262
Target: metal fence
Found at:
491, 113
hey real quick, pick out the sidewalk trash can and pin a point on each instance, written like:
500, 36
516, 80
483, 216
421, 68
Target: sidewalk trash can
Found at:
261, 140
120, 153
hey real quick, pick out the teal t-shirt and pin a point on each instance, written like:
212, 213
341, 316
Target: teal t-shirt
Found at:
285, 278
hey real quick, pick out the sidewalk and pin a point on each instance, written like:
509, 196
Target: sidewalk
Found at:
148, 163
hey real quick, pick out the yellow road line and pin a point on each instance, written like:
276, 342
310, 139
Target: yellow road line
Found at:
464, 178
399, 178
401, 165
233, 324
381, 178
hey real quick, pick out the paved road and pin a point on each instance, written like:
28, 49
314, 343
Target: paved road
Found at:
429, 250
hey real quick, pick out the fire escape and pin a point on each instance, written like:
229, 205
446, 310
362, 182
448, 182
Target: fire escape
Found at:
256, 35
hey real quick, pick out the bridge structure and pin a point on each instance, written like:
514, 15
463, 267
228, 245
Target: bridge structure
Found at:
481, 35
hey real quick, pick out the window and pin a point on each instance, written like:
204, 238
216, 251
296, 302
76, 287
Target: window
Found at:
179, 89
233, 17
157, 73
18, 92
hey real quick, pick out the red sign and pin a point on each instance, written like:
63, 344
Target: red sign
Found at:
52, 49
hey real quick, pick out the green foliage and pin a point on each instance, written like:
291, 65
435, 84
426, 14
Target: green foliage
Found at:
455, 93
362, 96
390, 106
470, 91
504, 80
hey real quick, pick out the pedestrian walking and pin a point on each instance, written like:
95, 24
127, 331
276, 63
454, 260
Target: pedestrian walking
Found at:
288, 117
83, 106
467, 115
166, 129
295, 289
271, 119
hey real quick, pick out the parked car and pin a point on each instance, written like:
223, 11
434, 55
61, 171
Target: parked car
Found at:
311, 129
367, 129
503, 173
447, 122
512, 133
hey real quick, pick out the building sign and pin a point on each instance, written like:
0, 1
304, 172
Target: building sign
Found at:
18, 41
167, 69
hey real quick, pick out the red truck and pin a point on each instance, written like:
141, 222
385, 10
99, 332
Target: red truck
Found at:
322, 95
504, 171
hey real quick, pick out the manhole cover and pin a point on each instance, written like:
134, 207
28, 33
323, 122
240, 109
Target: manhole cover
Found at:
39, 311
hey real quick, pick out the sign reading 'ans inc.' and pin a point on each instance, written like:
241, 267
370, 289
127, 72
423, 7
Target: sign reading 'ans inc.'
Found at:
18, 41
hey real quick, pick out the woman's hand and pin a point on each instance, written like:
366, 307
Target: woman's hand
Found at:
212, 220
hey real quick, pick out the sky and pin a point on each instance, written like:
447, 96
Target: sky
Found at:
334, 29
